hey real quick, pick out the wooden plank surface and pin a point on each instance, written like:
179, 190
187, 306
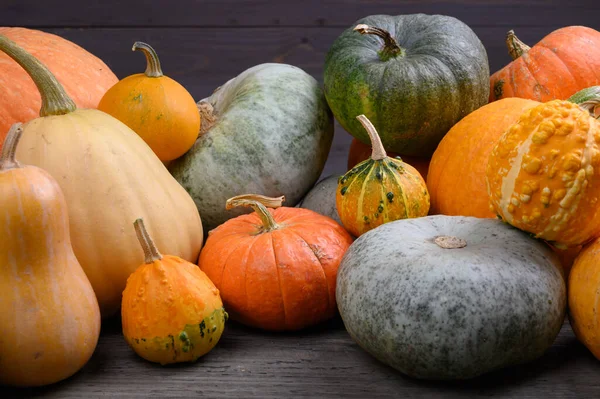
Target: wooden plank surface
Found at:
319, 363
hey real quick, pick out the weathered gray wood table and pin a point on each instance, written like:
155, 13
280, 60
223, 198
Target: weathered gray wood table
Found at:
204, 43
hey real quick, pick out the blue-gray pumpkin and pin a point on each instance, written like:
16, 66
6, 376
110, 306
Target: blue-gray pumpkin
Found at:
267, 131
451, 297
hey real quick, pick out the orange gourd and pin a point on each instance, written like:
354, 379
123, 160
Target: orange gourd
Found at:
544, 174
276, 269
49, 316
456, 177
108, 175
171, 311
360, 152
562, 63
379, 190
84, 76
584, 297
156, 107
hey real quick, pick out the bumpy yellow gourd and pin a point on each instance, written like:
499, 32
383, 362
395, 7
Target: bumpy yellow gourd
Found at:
171, 311
543, 175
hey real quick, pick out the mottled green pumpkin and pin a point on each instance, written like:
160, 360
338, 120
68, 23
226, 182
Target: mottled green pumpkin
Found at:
413, 76
379, 190
267, 131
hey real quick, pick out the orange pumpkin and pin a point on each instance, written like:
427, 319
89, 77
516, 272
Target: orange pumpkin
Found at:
544, 174
562, 63
84, 76
359, 152
156, 107
456, 179
49, 315
171, 311
584, 297
379, 190
275, 269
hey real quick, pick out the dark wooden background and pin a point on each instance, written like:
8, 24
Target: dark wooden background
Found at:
204, 43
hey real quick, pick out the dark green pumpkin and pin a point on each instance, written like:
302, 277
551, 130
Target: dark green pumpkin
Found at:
414, 84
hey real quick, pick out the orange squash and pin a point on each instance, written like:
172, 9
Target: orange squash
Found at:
544, 174
360, 152
84, 76
171, 311
456, 177
108, 175
584, 297
379, 190
275, 269
562, 63
156, 107
49, 316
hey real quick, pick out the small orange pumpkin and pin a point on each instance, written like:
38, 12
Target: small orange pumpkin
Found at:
171, 312
584, 297
275, 269
379, 190
562, 63
544, 174
156, 107
360, 152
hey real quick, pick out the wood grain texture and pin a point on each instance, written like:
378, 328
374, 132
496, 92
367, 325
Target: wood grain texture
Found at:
321, 362
232, 13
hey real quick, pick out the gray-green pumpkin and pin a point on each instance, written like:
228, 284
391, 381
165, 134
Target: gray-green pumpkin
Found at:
321, 198
268, 131
451, 297
413, 76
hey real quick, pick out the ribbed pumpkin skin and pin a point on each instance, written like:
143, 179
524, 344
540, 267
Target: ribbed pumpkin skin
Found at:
159, 109
456, 176
360, 152
543, 174
376, 192
84, 76
171, 311
562, 63
110, 177
584, 301
49, 316
412, 99
278, 280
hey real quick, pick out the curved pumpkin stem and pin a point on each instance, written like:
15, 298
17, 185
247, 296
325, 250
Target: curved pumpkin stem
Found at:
259, 203
7, 158
153, 69
378, 152
391, 48
55, 100
589, 100
516, 47
151, 253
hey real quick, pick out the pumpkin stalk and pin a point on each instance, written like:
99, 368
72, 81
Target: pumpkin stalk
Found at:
151, 253
391, 48
378, 151
55, 100
259, 203
7, 158
516, 47
589, 100
208, 116
153, 69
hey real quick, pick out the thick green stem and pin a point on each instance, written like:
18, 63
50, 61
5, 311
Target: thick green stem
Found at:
55, 100
589, 100
378, 152
390, 49
153, 69
9, 149
151, 253
259, 203
516, 47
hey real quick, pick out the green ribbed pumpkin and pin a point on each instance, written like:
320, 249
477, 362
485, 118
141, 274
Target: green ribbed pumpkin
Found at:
413, 76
